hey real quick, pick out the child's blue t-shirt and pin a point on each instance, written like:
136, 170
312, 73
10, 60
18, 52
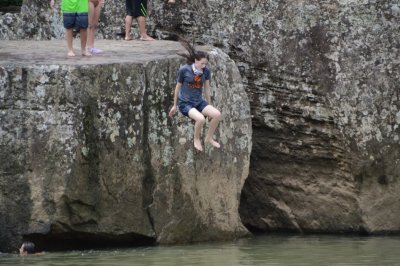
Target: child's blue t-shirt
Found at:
192, 85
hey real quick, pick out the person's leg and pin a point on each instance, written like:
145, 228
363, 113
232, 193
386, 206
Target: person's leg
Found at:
140, 13
128, 19
83, 33
82, 23
142, 29
69, 36
215, 116
200, 120
94, 16
90, 33
128, 26
69, 20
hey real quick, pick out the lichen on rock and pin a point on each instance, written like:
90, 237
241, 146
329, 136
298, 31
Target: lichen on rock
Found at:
97, 159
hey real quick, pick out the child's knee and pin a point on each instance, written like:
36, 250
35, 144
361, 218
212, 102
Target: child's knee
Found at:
201, 119
218, 115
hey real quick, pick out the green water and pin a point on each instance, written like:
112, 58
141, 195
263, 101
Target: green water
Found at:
262, 250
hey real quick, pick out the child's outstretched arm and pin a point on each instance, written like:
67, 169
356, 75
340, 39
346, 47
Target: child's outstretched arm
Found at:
176, 93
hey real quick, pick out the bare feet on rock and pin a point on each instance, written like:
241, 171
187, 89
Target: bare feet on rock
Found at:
128, 37
147, 38
197, 145
71, 54
213, 143
86, 53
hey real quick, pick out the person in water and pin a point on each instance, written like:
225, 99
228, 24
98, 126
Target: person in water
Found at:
28, 248
193, 78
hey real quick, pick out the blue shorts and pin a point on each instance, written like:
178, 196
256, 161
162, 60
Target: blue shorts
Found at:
75, 20
184, 107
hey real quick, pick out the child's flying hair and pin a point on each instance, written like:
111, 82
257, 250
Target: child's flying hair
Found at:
192, 54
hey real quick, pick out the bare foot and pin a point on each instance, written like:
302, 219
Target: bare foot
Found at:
213, 143
197, 145
171, 1
86, 53
128, 37
71, 54
147, 38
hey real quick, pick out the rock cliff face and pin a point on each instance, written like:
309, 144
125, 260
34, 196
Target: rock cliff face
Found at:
89, 155
325, 102
321, 77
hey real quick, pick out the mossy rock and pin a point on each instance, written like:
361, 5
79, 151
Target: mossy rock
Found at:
10, 9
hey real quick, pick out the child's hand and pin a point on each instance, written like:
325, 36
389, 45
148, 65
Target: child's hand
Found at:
172, 112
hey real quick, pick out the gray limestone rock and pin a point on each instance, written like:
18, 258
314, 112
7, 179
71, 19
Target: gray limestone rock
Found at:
89, 153
322, 80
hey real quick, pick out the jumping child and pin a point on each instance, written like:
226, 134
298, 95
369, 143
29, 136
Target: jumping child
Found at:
192, 78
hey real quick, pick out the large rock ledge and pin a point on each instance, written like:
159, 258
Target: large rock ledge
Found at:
88, 153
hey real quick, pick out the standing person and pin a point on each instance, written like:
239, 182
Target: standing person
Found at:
136, 9
192, 78
94, 15
75, 15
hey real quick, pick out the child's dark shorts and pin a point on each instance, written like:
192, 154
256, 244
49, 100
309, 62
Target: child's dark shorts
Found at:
75, 20
136, 8
184, 107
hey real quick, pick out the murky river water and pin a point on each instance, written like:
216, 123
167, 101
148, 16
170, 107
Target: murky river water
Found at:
261, 250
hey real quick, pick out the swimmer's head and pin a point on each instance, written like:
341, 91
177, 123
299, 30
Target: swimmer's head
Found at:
27, 248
